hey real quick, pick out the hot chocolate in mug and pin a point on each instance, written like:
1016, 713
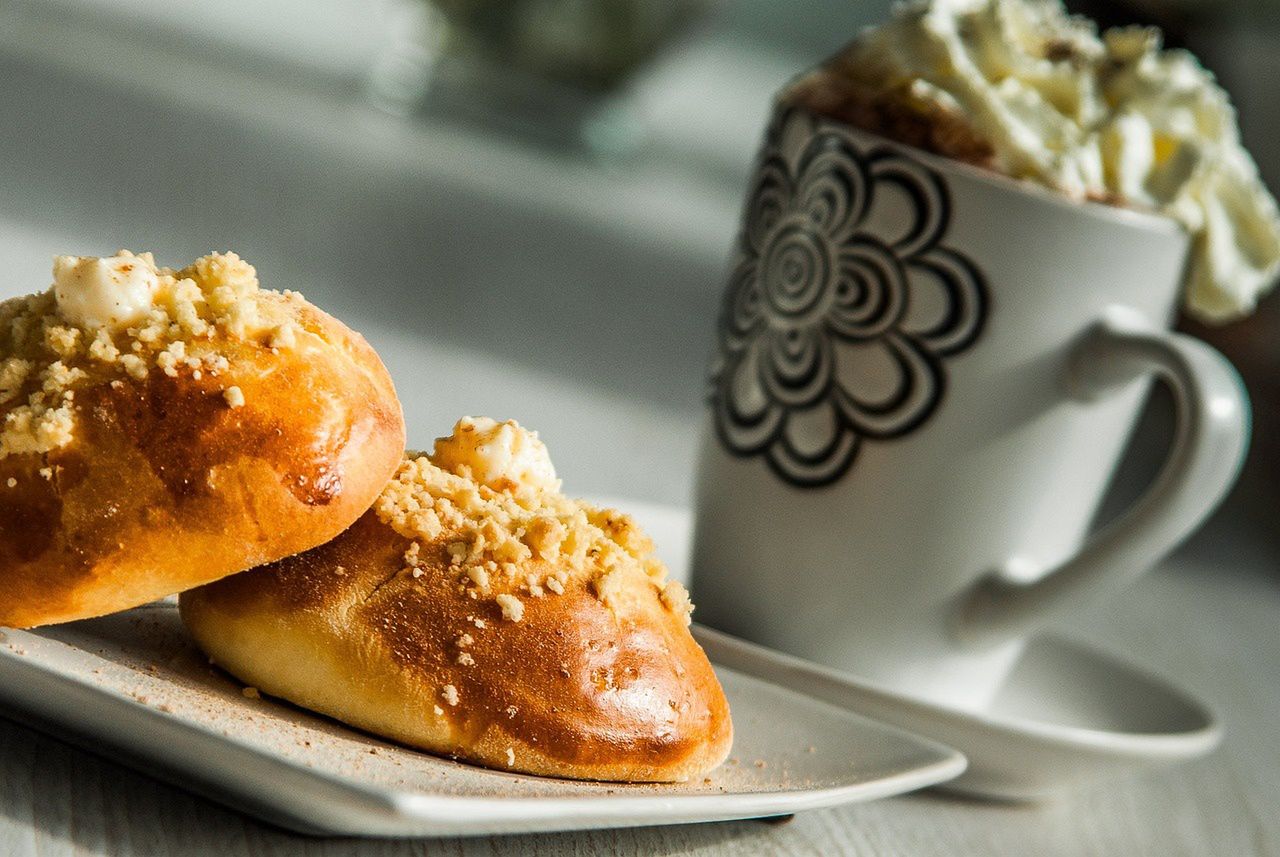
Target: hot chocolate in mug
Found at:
925, 375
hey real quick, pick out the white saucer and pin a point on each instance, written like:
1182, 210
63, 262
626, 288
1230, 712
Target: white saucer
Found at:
1067, 716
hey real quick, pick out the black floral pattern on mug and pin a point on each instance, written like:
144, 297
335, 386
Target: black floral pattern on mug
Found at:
842, 305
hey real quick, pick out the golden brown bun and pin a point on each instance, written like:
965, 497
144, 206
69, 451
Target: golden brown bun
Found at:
574, 688
166, 486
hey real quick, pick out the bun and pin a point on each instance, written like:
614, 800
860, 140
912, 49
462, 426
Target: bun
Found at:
570, 657
229, 427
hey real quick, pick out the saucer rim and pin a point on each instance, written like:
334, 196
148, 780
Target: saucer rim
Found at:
1136, 745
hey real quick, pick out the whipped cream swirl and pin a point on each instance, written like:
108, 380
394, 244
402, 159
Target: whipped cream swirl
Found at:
1107, 116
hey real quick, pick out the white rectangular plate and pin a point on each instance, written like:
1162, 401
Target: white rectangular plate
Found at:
133, 687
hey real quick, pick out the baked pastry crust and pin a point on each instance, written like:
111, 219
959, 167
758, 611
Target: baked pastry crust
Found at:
390, 634
173, 473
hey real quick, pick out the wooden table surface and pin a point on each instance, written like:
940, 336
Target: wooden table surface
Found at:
1217, 629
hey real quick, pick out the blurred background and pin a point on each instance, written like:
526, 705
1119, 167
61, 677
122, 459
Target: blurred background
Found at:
525, 205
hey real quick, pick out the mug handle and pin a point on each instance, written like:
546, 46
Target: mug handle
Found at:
1211, 437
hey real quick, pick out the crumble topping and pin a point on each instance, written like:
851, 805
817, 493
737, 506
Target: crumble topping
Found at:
512, 607
122, 315
488, 499
676, 597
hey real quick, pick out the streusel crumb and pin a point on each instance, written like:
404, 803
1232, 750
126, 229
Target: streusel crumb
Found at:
514, 533
60, 339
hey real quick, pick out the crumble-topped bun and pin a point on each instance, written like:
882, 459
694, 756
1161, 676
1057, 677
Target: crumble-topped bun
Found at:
477, 612
162, 428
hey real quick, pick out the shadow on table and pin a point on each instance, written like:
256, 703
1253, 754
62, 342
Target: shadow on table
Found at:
433, 252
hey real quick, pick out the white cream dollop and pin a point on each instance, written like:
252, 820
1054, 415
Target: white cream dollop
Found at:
110, 291
1107, 116
501, 455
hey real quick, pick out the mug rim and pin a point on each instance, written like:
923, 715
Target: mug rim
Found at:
1138, 218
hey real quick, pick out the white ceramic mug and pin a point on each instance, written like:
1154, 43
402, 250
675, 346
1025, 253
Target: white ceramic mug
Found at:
925, 376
